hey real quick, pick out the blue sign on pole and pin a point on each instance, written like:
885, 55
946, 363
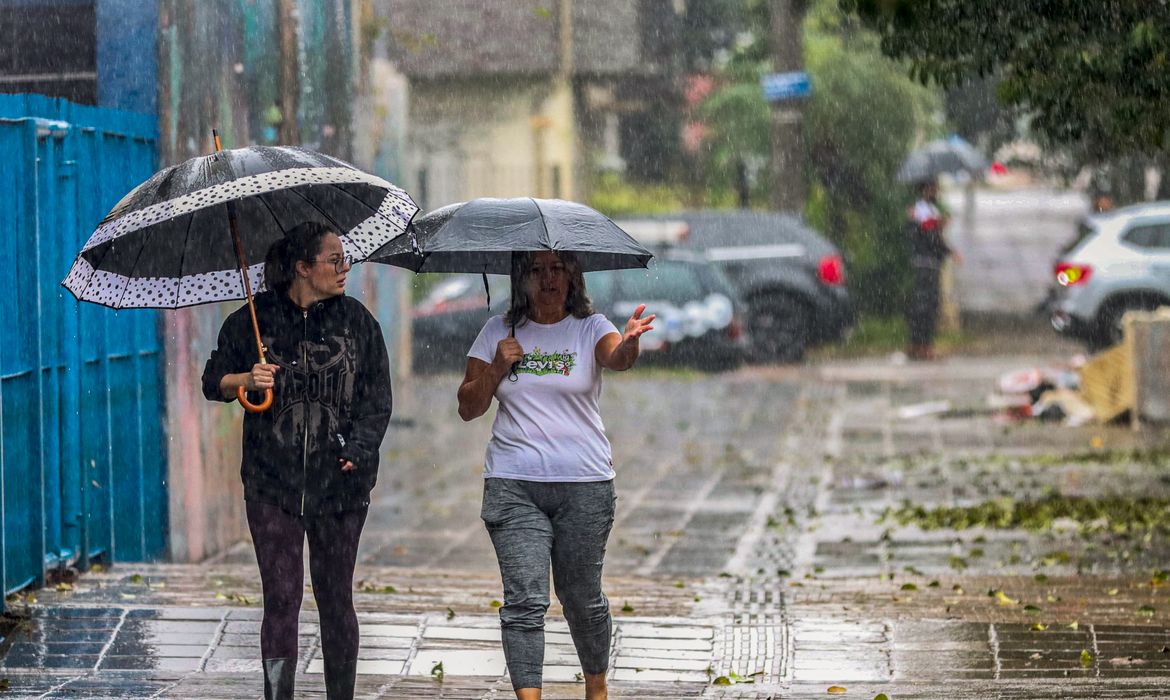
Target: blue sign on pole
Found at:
786, 86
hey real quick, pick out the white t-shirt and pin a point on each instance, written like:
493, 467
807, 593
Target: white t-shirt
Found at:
548, 427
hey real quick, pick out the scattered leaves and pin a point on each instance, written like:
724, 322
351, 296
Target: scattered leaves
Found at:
1107, 514
837, 690
1003, 599
496, 604
371, 587
1086, 658
1039, 627
437, 672
1147, 610
626, 607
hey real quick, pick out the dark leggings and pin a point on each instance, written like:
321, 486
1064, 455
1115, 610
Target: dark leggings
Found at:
279, 538
922, 316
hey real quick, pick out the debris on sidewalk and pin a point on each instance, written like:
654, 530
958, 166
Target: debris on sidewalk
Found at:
1107, 382
1063, 405
927, 408
1075, 394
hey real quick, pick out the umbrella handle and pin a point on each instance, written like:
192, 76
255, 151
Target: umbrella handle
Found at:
254, 407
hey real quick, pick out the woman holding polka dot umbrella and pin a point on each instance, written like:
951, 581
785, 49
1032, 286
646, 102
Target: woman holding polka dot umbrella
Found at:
198, 232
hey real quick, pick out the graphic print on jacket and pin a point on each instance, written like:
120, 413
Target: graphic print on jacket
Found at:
317, 377
332, 401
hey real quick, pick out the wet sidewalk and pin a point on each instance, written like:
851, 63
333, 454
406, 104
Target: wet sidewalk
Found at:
773, 539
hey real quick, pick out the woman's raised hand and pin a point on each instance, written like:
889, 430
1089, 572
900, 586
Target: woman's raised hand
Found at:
637, 325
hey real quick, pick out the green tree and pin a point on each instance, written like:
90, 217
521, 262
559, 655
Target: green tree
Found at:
864, 116
1094, 75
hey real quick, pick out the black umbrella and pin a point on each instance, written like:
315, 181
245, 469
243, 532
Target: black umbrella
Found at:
197, 232
950, 155
481, 235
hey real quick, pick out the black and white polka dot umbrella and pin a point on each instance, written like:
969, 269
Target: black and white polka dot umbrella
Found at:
168, 243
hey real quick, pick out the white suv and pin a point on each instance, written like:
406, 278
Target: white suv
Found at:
1119, 262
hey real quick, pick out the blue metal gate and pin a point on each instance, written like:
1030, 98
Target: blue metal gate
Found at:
82, 459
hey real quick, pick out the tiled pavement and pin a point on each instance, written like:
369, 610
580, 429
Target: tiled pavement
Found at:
747, 543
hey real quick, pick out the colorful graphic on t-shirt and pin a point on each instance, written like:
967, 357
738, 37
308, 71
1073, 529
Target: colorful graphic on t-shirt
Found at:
541, 363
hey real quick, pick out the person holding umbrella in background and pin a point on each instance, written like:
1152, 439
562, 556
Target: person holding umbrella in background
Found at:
311, 460
548, 487
925, 222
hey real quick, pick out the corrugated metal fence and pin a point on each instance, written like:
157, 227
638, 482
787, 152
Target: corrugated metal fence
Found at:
81, 402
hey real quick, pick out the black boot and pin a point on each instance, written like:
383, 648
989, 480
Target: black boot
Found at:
279, 677
339, 679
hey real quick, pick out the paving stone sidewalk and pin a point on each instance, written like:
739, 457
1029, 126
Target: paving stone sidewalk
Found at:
749, 547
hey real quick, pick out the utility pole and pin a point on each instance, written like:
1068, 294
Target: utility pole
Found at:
788, 155
290, 84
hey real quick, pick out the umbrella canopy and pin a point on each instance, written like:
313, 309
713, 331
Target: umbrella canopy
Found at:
481, 235
169, 242
951, 155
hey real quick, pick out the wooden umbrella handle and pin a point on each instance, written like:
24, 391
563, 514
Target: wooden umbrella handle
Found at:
241, 394
250, 407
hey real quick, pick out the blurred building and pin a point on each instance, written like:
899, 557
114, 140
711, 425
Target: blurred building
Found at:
527, 97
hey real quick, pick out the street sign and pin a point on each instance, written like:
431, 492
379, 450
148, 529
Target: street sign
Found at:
779, 87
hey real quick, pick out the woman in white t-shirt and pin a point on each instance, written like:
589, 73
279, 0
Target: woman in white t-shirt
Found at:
548, 474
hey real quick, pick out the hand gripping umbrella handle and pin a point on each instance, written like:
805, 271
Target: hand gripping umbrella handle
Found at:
254, 407
241, 394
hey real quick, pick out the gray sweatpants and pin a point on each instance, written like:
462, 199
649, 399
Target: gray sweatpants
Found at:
532, 525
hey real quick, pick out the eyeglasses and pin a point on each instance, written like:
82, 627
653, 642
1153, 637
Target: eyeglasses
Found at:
338, 263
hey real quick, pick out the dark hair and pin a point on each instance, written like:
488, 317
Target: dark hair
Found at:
577, 301
923, 186
302, 242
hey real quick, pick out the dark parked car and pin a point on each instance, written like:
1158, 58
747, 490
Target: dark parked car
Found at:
791, 279
699, 314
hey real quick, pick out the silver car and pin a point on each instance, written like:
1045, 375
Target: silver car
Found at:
1119, 262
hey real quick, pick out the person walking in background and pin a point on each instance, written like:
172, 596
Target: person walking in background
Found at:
311, 460
548, 495
926, 220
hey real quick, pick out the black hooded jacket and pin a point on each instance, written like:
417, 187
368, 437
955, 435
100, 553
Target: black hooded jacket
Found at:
331, 401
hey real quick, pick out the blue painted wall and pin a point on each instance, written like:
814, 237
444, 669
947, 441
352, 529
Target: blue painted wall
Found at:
82, 458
